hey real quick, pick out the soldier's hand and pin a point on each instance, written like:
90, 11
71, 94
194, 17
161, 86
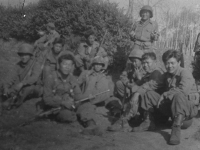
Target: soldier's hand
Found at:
68, 103
138, 74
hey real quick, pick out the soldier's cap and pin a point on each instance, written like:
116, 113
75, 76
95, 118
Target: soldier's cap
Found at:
25, 49
51, 25
136, 54
147, 7
98, 60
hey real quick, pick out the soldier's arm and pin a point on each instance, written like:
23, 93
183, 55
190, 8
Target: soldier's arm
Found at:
184, 86
55, 35
82, 78
41, 40
35, 73
155, 82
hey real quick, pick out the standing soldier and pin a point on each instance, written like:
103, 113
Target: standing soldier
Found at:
24, 81
63, 89
179, 101
49, 37
88, 50
145, 31
92, 113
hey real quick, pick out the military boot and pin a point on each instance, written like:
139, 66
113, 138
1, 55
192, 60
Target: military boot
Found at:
92, 129
120, 125
176, 130
147, 124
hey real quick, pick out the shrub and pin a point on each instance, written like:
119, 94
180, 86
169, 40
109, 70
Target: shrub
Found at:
72, 19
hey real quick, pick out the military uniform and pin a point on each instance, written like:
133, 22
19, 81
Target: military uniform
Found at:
58, 91
29, 75
49, 37
94, 83
130, 74
86, 53
145, 33
180, 96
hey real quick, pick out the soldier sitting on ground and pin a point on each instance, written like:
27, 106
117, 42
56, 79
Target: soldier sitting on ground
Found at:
93, 113
151, 81
179, 100
24, 82
52, 57
63, 89
49, 37
88, 50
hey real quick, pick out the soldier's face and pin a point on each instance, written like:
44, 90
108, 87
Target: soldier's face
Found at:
57, 48
91, 39
145, 15
98, 67
25, 58
136, 62
66, 66
148, 64
171, 65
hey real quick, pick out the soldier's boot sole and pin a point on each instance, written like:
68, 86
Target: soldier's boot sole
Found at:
175, 135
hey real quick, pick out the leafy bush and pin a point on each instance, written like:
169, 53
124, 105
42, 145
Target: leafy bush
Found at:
72, 19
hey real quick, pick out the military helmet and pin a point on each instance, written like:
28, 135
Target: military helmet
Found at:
149, 8
136, 54
98, 60
26, 49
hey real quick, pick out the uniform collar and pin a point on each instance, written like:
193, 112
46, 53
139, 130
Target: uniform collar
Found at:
145, 22
68, 79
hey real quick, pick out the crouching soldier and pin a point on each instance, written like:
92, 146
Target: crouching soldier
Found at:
131, 75
179, 101
62, 90
24, 82
97, 87
88, 50
151, 81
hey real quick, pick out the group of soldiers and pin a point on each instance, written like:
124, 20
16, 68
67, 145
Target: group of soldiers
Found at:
143, 90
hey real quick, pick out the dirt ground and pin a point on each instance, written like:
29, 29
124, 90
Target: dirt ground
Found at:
50, 135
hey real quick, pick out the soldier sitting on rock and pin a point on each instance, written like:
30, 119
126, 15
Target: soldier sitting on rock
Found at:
90, 49
24, 81
99, 89
151, 81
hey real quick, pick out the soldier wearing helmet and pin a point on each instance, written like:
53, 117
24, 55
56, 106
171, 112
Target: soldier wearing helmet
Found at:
92, 113
24, 80
63, 89
49, 37
152, 80
145, 31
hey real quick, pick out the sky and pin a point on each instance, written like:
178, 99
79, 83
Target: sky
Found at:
122, 3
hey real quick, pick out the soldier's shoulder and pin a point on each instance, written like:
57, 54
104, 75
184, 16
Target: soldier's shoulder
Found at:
185, 72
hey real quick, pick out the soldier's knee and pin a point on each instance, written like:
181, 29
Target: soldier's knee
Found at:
178, 97
66, 116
